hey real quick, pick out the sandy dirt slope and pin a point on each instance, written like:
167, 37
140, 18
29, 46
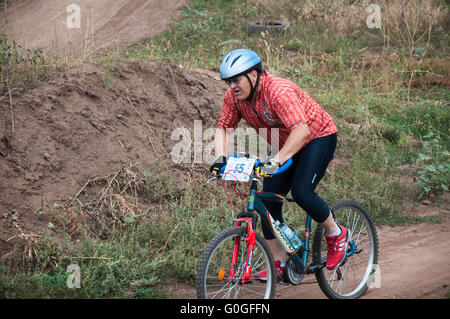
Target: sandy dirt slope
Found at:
44, 23
68, 129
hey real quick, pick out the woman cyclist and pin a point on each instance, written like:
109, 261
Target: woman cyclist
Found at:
306, 133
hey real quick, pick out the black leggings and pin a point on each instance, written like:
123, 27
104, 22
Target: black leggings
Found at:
308, 168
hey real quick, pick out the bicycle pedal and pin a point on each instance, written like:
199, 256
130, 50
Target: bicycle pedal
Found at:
283, 282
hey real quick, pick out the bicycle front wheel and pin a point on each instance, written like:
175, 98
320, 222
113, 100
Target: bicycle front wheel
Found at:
217, 280
352, 278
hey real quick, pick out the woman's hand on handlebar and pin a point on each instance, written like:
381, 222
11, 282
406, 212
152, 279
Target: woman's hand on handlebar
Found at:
217, 165
268, 167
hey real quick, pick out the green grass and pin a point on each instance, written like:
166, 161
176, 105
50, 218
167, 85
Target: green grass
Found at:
19, 67
370, 90
133, 258
382, 124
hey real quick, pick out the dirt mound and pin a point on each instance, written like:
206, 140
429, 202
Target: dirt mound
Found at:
69, 128
63, 29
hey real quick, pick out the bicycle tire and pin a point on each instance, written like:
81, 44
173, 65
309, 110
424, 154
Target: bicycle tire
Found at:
333, 284
214, 261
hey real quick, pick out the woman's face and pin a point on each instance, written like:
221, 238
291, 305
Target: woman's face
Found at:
240, 85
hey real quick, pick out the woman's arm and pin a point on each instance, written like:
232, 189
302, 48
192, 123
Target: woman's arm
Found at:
295, 141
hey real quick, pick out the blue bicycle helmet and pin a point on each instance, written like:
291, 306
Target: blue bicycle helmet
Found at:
238, 62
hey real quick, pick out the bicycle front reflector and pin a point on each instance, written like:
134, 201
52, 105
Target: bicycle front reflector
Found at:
221, 274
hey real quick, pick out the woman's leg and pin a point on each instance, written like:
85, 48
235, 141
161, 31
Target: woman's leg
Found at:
279, 184
311, 166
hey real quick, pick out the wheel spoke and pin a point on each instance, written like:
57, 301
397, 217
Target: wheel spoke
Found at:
350, 279
211, 282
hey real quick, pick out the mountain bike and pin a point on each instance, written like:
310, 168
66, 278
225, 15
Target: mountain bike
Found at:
230, 261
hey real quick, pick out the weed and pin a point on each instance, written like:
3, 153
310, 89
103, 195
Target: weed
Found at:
108, 65
434, 177
410, 24
19, 67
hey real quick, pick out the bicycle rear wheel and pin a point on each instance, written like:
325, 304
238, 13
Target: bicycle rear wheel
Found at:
352, 278
214, 281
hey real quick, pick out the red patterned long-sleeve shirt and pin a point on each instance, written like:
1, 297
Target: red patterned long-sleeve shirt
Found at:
278, 103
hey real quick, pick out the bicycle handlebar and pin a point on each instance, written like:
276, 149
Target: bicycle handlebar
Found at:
283, 168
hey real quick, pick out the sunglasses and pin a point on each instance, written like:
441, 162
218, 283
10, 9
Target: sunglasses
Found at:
235, 80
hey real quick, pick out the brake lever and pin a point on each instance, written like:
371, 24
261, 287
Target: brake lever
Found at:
213, 178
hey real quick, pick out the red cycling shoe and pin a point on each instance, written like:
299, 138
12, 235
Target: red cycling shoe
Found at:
336, 248
280, 273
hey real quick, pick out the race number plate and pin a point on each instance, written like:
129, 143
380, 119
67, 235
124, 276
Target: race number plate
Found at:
239, 169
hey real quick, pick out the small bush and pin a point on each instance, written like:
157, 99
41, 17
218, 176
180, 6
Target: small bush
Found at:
410, 23
434, 177
18, 67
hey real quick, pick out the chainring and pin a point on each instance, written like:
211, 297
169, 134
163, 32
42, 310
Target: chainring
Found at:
293, 275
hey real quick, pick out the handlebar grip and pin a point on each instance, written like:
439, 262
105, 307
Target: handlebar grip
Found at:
284, 167
222, 169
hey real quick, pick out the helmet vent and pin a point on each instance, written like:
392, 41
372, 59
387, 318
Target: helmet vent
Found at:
234, 61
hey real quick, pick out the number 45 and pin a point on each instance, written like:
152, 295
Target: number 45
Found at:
240, 167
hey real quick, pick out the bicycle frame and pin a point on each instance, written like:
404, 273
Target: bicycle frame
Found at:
255, 204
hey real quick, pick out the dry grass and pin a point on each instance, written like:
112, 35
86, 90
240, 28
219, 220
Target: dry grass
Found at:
30, 241
339, 16
430, 72
409, 23
116, 203
405, 23
68, 220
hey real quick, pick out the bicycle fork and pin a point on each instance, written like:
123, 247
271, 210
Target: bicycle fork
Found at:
250, 239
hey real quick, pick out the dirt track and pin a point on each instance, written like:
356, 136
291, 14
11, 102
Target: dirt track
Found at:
413, 263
